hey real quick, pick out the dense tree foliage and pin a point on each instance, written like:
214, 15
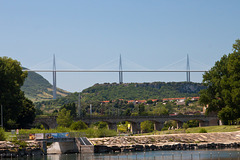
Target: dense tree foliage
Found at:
64, 118
70, 107
78, 125
18, 110
130, 91
147, 126
223, 86
2, 134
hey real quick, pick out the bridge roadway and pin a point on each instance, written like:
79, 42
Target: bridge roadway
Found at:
50, 122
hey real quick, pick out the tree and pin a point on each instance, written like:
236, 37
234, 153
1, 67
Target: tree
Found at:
141, 109
64, 118
222, 94
16, 107
185, 126
2, 134
160, 110
102, 125
78, 125
147, 126
26, 113
70, 107
127, 112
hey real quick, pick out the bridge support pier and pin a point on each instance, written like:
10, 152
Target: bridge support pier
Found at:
158, 126
43, 146
135, 127
203, 123
112, 126
214, 122
179, 124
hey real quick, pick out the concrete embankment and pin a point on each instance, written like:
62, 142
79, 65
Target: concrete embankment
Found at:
218, 140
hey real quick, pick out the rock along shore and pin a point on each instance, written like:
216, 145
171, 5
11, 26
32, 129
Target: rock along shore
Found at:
11, 150
219, 140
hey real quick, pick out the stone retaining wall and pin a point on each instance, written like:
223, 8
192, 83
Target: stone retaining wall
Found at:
177, 146
11, 150
167, 142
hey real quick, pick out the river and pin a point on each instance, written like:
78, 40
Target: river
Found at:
227, 154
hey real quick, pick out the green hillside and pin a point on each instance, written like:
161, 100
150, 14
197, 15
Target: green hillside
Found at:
126, 91
133, 91
38, 88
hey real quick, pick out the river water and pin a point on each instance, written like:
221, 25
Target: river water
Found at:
227, 154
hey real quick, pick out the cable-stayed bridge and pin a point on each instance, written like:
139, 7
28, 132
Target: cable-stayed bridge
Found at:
116, 66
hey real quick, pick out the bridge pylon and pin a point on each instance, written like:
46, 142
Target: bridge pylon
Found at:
188, 70
54, 79
120, 71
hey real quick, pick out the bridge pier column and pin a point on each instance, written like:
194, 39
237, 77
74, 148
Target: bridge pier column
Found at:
214, 122
44, 147
203, 123
135, 127
112, 126
158, 126
179, 124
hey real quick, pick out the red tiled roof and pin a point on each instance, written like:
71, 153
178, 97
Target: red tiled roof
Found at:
141, 101
196, 97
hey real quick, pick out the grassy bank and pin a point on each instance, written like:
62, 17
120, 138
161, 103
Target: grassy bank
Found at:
94, 133
209, 129
90, 132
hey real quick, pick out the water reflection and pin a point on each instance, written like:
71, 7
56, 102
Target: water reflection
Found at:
151, 155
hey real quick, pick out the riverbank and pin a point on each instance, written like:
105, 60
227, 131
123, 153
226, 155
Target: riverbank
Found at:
187, 141
217, 140
29, 148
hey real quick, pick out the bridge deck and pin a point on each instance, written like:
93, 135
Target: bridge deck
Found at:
56, 140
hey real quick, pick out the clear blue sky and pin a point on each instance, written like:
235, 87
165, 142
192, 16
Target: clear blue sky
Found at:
92, 34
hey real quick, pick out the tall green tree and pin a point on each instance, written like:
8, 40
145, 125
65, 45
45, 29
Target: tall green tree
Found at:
70, 107
16, 107
147, 126
141, 109
64, 118
223, 86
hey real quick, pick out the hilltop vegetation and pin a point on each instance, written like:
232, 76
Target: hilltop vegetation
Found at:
37, 88
133, 91
128, 91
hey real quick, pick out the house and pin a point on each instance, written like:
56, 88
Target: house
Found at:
195, 98
174, 99
140, 101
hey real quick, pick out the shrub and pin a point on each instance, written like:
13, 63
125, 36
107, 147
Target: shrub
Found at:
64, 118
164, 128
11, 124
193, 123
185, 126
22, 144
2, 134
123, 127
147, 126
106, 133
79, 125
90, 132
39, 126
102, 125
94, 133
202, 130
